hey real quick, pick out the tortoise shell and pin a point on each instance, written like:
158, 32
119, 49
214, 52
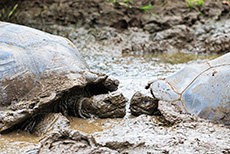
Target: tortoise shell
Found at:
202, 90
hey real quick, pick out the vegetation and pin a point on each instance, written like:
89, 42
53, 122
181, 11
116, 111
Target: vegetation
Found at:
147, 8
12, 11
129, 4
5, 15
124, 3
191, 3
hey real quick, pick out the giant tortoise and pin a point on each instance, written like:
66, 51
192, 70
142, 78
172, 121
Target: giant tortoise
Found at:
202, 90
42, 73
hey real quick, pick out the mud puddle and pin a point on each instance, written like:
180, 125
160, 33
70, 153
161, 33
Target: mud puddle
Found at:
133, 72
91, 126
17, 142
101, 49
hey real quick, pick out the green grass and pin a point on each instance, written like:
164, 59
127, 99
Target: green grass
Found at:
2, 13
191, 3
7, 14
129, 4
124, 3
148, 7
12, 11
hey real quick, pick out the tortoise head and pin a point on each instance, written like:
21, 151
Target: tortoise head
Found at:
110, 105
142, 104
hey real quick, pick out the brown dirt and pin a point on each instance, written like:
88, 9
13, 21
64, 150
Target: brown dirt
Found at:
99, 12
171, 24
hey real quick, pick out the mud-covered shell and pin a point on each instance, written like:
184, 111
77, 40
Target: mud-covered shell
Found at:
42, 73
202, 90
28, 56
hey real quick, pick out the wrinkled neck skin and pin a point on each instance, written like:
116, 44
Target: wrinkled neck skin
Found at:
71, 101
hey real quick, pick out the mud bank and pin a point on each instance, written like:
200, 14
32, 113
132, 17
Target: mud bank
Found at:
144, 134
106, 35
170, 26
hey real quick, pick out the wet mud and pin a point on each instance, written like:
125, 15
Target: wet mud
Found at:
145, 135
171, 132
18, 142
133, 46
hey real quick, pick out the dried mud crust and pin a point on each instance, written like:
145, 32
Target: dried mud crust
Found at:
71, 141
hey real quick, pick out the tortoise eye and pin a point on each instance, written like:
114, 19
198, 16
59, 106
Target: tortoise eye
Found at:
144, 102
108, 101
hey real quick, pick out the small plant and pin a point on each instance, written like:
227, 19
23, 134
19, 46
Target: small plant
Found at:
147, 8
6, 16
192, 2
124, 3
129, 4
2, 13
12, 11
200, 2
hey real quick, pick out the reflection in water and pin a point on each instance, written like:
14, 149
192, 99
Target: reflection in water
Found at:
17, 142
133, 72
176, 58
91, 126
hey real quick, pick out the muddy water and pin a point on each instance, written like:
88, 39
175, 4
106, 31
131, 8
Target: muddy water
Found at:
133, 72
91, 126
17, 142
